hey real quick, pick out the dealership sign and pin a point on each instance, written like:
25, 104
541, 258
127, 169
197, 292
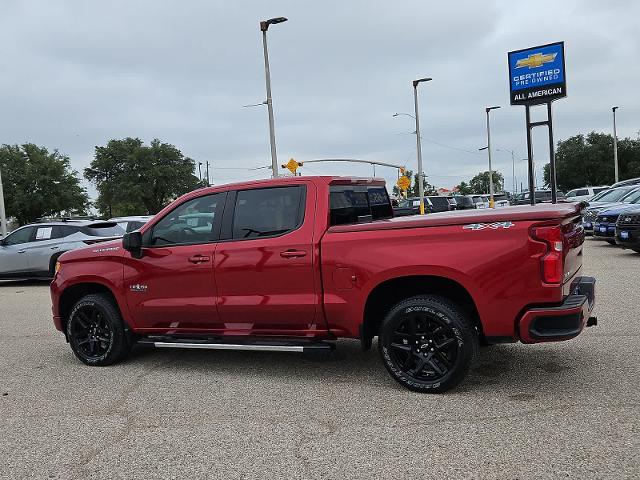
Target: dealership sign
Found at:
536, 75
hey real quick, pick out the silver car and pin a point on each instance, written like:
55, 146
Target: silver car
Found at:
129, 224
31, 251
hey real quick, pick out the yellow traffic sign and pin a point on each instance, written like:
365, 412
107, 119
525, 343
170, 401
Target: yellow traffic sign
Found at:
403, 183
292, 166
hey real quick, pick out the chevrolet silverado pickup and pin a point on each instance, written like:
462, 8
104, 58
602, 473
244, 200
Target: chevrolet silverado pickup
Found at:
292, 264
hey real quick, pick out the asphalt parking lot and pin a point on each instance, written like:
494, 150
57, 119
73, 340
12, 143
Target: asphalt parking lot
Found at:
545, 411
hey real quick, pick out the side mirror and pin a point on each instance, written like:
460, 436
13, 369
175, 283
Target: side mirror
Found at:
132, 242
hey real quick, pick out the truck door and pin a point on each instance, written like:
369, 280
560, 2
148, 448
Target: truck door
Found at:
265, 262
172, 285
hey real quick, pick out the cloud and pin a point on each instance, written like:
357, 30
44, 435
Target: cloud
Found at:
80, 73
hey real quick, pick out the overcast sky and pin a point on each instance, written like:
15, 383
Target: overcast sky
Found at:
78, 73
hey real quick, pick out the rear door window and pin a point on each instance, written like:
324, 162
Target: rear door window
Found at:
582, 192
43, 233
267, 212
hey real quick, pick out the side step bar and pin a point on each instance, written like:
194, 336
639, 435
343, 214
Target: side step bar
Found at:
260, 347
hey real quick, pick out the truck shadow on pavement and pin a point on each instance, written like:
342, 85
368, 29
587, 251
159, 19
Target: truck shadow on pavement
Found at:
513, 368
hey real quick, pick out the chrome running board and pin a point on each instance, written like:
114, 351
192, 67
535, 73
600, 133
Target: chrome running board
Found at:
285, 346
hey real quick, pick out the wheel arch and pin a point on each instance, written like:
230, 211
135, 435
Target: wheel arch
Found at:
73, 293
391, 291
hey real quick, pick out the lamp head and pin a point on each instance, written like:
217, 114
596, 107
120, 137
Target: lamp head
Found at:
420, 80
264, 25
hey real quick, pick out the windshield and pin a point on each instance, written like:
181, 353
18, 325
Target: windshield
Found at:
613, 195
633, 197
597, 196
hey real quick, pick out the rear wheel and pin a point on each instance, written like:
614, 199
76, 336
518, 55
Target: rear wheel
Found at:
427, 343
96, 331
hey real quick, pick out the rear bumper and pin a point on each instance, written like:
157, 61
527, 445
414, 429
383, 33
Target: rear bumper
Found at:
562, 322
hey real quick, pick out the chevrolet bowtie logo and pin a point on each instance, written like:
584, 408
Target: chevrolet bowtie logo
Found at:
536, 60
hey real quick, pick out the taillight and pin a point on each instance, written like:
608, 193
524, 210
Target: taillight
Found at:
552, 263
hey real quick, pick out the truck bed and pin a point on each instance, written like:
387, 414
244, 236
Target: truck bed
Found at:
539, 212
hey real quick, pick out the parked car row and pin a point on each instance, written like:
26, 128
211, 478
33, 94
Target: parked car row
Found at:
32, 250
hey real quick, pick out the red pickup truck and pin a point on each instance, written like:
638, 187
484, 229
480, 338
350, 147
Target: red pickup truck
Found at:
292, 264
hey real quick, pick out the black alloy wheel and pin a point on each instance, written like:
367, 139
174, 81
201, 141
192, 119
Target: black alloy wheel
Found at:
90, 332
427, 343
425, 346
96, 332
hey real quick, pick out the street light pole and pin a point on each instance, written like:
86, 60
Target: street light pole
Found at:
200, 171
3, 215
264, 26
487, 110
615, 144
419, 143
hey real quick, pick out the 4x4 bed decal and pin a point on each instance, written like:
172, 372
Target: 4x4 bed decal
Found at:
492, 226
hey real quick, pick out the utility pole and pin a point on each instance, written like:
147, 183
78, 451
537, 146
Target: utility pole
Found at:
419, 143
200, 171
615, 144
3, 214
264, 26
207, 165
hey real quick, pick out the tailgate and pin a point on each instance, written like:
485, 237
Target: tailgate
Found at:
573, 239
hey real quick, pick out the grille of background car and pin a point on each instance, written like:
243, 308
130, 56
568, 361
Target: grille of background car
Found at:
590, 216
607, 218
629, 220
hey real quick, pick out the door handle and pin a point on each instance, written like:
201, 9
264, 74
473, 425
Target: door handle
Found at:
22, 251
200, 259
293, 253
55, 248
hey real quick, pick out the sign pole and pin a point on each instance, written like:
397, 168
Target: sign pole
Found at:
552, 157
532, 186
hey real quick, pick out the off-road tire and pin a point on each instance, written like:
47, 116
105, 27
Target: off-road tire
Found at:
431, 331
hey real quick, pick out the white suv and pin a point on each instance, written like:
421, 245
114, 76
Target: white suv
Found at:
584, 193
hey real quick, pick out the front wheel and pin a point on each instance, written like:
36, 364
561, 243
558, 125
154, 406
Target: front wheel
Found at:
427, 343
96, 331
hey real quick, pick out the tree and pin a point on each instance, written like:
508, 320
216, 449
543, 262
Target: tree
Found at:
133, 179
39, 183
413, 190
464, 188
480, 183
584, 161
